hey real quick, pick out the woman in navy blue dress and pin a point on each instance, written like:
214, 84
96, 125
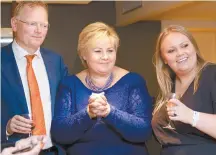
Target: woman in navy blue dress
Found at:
181, 69
104, 109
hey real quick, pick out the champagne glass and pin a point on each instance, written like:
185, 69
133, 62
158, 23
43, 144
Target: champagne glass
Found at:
170, 104
28, 116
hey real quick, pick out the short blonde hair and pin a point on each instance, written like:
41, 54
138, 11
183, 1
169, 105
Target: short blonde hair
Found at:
31, 4
164, 73
92, 32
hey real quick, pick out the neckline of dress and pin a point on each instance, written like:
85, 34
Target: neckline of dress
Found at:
107, 88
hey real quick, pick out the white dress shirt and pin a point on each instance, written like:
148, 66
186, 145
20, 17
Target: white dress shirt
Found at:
43, 83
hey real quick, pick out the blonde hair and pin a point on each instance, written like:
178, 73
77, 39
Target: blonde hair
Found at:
92, 32
31, 4
164, 73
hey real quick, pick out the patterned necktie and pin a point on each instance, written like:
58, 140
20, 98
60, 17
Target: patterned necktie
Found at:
35, 99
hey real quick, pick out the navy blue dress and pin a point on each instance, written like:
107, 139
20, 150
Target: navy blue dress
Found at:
123, 132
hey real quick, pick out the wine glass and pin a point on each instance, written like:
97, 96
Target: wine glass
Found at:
28, 116
170, 104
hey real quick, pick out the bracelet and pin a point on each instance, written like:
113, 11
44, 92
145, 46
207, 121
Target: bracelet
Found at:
195, 118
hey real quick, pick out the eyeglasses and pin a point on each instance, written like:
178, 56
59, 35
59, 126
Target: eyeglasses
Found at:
35, 24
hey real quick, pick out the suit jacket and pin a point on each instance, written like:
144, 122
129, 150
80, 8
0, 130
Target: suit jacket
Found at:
13, 101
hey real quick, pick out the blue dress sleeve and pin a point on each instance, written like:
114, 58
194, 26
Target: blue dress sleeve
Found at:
136, 125
68, 125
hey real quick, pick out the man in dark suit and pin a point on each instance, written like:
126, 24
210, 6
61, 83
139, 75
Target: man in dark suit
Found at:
30, 25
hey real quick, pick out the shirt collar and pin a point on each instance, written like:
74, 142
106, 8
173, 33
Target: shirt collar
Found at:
20, 52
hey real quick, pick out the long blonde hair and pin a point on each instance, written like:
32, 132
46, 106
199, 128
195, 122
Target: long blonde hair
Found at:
164, 73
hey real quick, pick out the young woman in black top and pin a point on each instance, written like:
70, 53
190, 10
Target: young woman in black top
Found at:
181, 69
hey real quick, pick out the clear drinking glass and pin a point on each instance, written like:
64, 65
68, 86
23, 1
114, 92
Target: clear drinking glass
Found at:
170, 104
28, 116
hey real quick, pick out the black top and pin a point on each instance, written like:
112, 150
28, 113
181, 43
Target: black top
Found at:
203, 100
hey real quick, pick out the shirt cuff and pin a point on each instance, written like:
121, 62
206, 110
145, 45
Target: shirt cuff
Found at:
7, 134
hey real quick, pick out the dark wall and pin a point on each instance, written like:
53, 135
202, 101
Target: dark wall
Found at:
6, 14
137, 41
137, 49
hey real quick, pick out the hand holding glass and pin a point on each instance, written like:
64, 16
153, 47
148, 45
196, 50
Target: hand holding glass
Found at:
170, 104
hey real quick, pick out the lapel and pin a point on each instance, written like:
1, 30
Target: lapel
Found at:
11, 73
50, 69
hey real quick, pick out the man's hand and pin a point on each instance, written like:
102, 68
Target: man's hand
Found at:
19, 124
